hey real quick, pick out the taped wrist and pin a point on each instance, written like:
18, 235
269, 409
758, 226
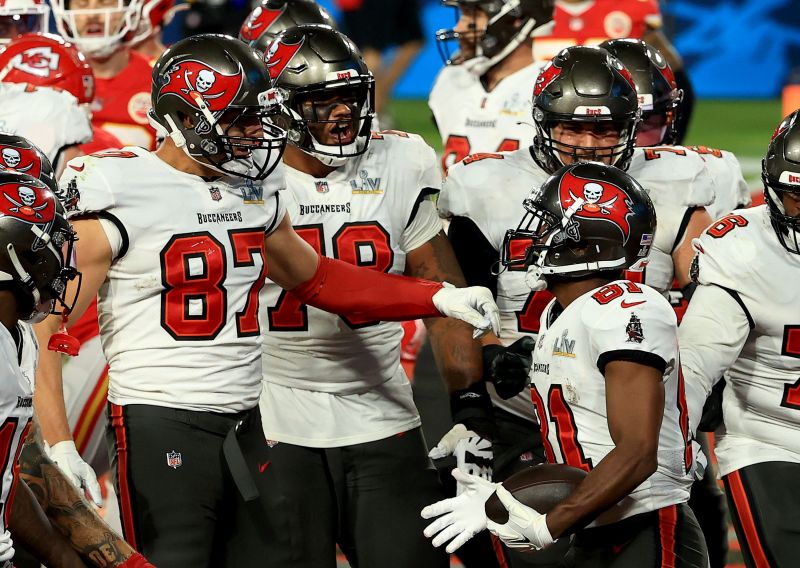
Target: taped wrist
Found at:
344, 289
472, 407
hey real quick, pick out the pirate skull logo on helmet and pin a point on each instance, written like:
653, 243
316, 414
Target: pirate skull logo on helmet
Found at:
11, 157
26, 195
205, 80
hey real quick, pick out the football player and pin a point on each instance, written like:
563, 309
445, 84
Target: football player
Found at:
590, 22
730, 329
32, 105
605, 383
36, 242
572, 125
103, 31
174, 245
660, 102
336, 404
481, 98
271, 17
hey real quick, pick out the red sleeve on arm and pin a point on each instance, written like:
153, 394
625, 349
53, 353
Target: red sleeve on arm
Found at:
344, 289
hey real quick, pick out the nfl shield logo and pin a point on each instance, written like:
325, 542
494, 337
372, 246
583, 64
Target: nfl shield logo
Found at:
322, 186
216, 195
174, 459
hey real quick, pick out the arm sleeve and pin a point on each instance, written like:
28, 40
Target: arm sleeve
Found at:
474, 253
711, 336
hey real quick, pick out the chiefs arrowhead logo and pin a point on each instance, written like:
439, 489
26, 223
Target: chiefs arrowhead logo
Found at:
21, 160
601, 200
259, 22
547, 76
29, 204
196, 82
38, 61
279, 55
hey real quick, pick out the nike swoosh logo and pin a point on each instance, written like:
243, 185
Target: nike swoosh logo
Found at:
625, 304
262, 467
78, 168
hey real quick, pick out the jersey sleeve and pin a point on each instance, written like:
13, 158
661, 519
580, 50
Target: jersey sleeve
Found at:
673, 175
76, 125
631, 324
711, 336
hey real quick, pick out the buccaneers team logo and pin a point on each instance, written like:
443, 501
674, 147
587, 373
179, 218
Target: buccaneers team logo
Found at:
20, 160
598, 200
38, 61
26, 203
280, 54
194, 82
260, 21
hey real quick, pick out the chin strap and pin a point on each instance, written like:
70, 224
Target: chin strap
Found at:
63, 342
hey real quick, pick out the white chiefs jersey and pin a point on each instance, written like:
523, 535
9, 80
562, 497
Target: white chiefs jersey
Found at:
730, 188
330, 380
489, 191
749, 325
50, 119
16, 406
178, 311
471, 120
621, 320
677, 182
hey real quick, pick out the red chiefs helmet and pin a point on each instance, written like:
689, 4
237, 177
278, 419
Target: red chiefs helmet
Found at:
22, 16
46, 60
586, 218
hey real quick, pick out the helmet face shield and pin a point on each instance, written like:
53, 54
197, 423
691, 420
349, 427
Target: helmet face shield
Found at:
18, 24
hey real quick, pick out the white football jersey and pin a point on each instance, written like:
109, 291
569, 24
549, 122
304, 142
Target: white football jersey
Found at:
677, 182
471, 120
16, 406
730, 188
752, 330
489, 191
569, 393
330, 380
50, 119
178, 311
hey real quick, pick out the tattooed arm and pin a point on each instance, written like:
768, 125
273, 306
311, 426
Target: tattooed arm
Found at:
68, 511
30, 528
458, 356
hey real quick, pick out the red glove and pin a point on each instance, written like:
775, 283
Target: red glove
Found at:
136, 561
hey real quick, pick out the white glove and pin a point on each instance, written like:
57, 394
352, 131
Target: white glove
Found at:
6, 547
526, 528
462, 517
69, 461
469, 448
474, 305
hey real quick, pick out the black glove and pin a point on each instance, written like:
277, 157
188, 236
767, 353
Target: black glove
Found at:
472, 407
508, 368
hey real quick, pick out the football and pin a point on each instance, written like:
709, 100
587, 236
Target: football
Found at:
541, 487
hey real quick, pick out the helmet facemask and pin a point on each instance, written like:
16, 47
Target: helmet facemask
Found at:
332, 123
106, 29
554, 154
507, 27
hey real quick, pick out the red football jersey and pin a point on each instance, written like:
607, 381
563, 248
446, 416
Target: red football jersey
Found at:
591, 23
121, 104
101, 140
